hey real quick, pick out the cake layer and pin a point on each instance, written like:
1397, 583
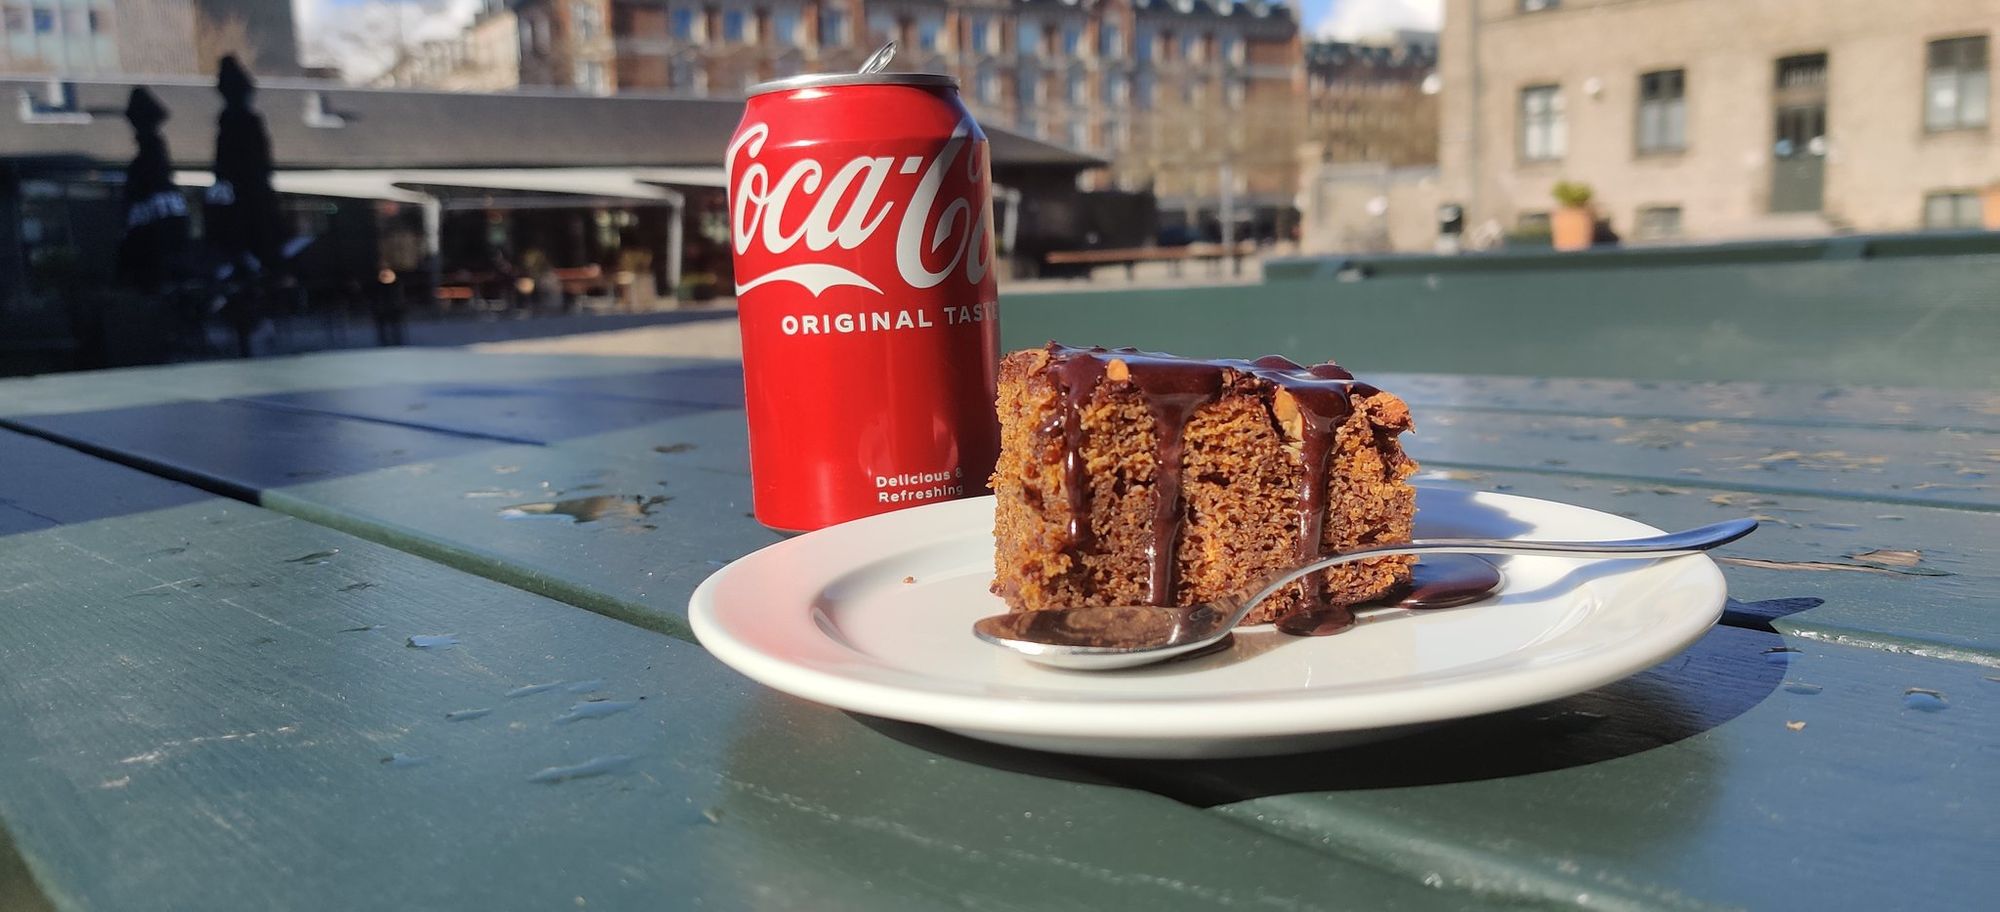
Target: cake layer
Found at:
1130, 477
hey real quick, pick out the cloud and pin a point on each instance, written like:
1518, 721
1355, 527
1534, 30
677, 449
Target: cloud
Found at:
1351, 19
363, 37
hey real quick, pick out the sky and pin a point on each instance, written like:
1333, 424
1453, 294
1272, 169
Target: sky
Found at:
360, 35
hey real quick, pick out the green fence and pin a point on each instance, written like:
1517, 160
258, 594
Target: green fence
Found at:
1916, 310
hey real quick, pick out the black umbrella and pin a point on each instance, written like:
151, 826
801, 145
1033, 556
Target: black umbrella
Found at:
156, 215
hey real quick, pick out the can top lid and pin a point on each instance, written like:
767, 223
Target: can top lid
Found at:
821, 80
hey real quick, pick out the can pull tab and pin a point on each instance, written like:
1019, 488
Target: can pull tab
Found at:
879, 60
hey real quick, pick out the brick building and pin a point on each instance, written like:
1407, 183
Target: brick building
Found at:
1197, 101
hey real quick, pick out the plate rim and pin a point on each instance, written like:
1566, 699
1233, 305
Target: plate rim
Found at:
1123, 718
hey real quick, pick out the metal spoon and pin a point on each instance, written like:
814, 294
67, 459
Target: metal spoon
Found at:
1122, 636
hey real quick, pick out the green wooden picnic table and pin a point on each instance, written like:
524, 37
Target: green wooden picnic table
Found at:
270, 639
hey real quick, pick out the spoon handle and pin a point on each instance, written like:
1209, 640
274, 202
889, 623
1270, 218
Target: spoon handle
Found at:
1690, 541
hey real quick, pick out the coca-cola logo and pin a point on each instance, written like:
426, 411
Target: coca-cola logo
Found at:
936, 235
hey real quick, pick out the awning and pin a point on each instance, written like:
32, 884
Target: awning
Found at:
366, 185
713, 178
397, 185
603, 183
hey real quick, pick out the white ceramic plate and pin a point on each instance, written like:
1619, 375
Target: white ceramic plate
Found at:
829, 617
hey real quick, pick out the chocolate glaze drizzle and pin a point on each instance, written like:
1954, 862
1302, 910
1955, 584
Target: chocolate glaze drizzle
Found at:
1173, 390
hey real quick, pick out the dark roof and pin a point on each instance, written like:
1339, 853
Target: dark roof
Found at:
402, 128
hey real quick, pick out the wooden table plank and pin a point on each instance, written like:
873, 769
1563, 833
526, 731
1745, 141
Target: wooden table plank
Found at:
541, 410
1927, 579
1731, 776
40, 485
1762, 403
108, 389
241, 448
1919, 466
213, 706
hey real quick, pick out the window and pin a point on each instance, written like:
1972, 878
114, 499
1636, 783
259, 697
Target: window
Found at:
1191, 47
14, 19
1662, 111
1028, 38
1078, 134
1237, 89
686, 24
1115, 90
982, 31
987, 87
735, 26
45, 20
585, 17
927, 34
1536, 6
1142, 45
1543, 133
832, 26
785, 27
1232, 49
1951, 209
882, 27
591, 77
1028, 83
1656, 222
1955, 84
1143, 89
1072, 39
1079, 86
1110, 42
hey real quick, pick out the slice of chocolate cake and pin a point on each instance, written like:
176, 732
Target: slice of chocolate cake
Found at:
1129, 477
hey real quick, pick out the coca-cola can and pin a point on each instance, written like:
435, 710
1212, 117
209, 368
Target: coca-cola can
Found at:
861, 218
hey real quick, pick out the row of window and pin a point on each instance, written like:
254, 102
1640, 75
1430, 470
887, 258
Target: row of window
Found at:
1956, 97
1943, 210
739, 25
22, 19
1140, 90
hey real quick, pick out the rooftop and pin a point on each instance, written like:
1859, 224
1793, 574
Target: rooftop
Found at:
325, 125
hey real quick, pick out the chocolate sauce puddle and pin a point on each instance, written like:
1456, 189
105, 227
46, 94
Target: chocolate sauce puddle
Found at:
1437, 581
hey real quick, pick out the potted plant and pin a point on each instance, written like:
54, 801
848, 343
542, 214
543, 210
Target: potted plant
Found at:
1989, 206
1573, 223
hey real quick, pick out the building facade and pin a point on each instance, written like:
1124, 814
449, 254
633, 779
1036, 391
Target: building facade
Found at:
1721, 118
485, 57
104, 38
1374, 101
1197, 101
1368, 162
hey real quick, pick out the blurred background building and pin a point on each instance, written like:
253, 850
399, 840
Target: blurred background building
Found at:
1716, 119
145, 37
1192, 100
1368, 176
483, 56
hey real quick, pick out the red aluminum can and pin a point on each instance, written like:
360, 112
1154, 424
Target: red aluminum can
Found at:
861, 218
